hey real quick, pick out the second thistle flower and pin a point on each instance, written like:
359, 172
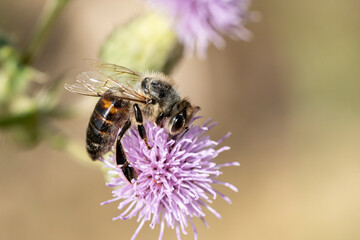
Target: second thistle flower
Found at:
199, 23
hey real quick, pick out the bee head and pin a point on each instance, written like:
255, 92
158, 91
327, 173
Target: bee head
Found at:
161, 91
180, 117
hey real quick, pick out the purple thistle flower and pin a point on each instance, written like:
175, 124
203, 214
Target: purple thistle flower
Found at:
201, 22
174, 181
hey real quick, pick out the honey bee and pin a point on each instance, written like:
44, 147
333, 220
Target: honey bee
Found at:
129, 98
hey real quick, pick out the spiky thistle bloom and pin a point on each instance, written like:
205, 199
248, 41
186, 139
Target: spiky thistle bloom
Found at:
175, 179
201, 22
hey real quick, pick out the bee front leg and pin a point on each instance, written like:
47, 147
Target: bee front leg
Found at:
139, 120
128, 171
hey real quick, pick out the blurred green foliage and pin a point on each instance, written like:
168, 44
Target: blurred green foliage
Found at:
28, 100
26, 103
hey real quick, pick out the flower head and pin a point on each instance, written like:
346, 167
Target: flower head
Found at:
175, 178
201, 22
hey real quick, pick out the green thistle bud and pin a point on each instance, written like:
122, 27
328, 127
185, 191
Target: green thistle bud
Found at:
146, 43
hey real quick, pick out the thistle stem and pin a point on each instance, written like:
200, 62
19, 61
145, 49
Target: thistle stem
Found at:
46, 21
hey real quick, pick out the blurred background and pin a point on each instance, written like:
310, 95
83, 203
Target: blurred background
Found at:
290, 97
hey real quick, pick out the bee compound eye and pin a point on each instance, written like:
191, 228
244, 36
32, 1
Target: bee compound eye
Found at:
178, 123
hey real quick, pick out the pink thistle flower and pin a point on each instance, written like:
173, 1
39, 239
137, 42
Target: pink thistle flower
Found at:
201, 22
175, 179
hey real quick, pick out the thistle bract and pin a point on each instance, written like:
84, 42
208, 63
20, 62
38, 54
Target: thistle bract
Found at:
175, 178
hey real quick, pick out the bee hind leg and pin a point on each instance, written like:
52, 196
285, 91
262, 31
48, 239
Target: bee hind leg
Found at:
141, 129
128, 171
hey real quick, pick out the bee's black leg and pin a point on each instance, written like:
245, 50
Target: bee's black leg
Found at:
120, 154
128, 171
139, 120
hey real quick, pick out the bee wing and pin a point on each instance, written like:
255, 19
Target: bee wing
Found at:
90, 84
118, 73
120, 80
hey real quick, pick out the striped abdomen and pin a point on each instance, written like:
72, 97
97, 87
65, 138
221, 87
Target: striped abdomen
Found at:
108, 117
